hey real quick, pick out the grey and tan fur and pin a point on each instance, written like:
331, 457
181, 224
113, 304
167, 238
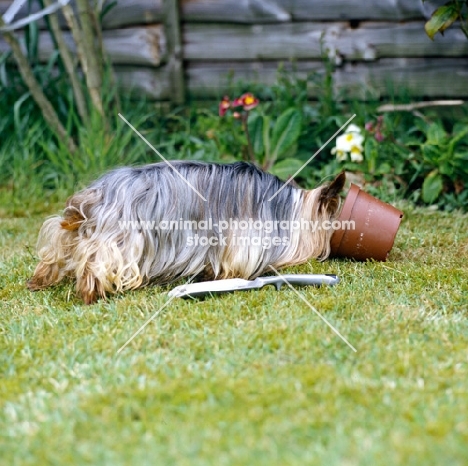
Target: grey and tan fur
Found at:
89, 244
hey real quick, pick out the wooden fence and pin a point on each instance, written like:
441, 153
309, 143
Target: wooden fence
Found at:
167, 49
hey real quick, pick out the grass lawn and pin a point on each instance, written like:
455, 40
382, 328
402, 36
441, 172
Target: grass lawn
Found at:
253, 378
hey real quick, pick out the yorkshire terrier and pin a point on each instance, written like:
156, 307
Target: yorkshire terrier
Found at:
92, 241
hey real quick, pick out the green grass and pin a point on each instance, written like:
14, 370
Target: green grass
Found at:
252, 378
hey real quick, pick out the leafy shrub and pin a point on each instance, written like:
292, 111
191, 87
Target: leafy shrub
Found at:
422, 157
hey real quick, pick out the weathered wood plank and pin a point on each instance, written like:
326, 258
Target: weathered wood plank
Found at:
445, 78
174, 49
307, 40
138, 46
123, 13
216, 79
236, 11
152, 83
431, 77
134, 12
147, 45
381, 40
270, 11
383, 10
130, 12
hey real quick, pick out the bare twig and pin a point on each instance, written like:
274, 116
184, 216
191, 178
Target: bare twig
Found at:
68, 63
93, 70
36, 91
99, 44
174, 47
76, 33
103, 56
417, 105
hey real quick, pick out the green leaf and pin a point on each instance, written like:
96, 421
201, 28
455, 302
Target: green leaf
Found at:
371, 153
255, 126
17, 112
106, 8
286, 131
460, 132
384, 168
32, 37
4, 79
436, 135
267, 137
432, 187
51, 62
290, 153
441, 19
446, 168
286, 168
431, 154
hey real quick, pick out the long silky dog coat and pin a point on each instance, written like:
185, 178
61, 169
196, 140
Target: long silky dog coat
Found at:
108, 238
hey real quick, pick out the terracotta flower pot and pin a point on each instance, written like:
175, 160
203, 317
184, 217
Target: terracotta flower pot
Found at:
376, 225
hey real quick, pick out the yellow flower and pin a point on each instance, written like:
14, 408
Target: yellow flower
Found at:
340, 154
247, 100
347, 141
351, 142
356, 155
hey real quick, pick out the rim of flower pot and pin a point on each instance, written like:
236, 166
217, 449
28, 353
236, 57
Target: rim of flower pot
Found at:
344, 215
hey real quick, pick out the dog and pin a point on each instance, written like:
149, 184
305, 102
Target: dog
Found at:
103, 240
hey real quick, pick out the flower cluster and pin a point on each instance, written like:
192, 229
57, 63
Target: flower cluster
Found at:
376, 128
247, 101
351, 142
